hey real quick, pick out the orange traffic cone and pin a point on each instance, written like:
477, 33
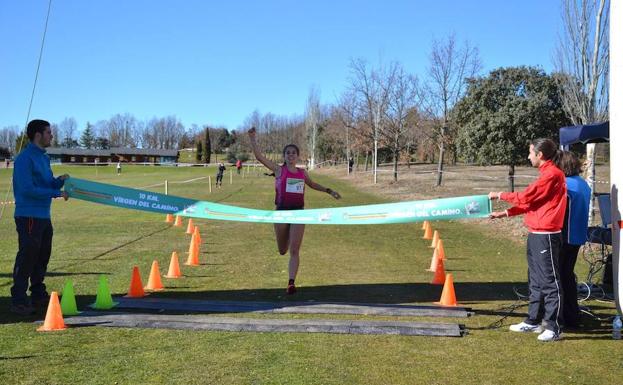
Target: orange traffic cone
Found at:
193, 252
169, 218
448, 297
154, 283
440, 273
136, 285
428, 232
190, 228
440, 250
174, 267
425, 224
53, 316
197, 234
178, 221
433, 244
433, 261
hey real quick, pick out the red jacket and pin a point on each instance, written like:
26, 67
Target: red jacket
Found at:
544, 201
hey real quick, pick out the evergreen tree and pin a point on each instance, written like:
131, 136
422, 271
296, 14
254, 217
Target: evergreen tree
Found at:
87, 140
207, 146
502, 112
101, 143
198, 153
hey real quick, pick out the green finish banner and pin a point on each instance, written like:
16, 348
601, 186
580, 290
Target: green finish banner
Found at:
476, 206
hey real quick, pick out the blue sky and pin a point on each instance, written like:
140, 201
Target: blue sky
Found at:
214, 62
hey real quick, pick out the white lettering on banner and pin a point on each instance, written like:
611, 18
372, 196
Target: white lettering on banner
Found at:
437, 213
148, 197
141, 203
126, 201
164, 207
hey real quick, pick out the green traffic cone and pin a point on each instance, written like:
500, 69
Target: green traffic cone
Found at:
103, 301
68, 300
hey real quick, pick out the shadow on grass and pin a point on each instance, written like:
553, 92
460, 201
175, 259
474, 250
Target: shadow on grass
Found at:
59, 274
387, 293
9, 276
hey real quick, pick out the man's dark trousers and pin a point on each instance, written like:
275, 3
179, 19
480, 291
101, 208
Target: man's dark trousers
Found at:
35, 246
546, 296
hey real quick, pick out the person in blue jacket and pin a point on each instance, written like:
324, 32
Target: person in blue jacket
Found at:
34, 186
574, 234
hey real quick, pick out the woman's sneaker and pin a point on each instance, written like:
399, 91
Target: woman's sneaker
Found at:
524, 327
549, 335
291, 289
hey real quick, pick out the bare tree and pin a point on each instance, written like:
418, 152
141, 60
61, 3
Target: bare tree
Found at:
448, 70
583, 59
371, 88
68, 129
162, 133
346, 112
403, 94
121, 130
8, 135
312, 124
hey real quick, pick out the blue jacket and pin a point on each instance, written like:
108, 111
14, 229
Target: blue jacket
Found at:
575, 228
34, 186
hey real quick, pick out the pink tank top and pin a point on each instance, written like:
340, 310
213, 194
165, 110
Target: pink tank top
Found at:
290, 189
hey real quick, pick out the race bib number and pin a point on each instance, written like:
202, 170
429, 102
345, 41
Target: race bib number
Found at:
296, 186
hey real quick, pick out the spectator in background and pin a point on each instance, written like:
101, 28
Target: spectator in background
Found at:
219, 174
574, 234
238, 165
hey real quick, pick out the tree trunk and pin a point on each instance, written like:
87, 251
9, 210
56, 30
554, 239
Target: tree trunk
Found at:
366, 162
511, 178
376, 159
441, 155
395, 167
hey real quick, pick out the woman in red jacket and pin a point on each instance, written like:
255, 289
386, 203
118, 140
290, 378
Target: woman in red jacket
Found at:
543, 202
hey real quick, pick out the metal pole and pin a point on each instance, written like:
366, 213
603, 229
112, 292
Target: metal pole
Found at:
210, 183
616, 157
166, 187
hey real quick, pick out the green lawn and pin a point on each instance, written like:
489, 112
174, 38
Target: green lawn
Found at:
384, 264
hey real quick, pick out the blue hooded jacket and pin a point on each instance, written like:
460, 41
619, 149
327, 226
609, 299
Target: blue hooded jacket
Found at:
34, 185
575, 228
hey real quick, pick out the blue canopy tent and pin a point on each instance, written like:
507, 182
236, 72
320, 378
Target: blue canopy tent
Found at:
595, 133
586, 133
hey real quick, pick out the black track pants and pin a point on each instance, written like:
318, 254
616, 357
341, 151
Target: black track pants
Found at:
544, 280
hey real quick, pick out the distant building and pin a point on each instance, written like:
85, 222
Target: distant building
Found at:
111, 155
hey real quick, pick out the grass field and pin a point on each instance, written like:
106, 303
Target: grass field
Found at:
384, 264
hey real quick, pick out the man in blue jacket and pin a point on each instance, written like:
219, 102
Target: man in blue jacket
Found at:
34, 186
